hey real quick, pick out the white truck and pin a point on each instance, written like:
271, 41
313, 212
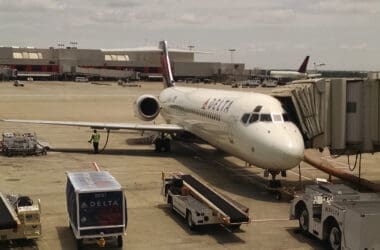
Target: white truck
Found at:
199, 204
19, 218
343, 217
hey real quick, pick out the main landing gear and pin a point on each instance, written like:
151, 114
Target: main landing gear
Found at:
162, 143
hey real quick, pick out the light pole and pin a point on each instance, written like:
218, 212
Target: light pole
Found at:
232, 61
232, 54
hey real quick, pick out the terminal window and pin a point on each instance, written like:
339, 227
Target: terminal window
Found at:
27, 55
116, 58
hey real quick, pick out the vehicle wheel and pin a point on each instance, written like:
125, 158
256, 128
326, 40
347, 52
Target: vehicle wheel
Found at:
304, 220
120, 241
170, 203
335, 237
79, 244
189, 219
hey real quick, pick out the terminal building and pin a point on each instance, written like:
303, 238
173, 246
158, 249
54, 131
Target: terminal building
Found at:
70, 62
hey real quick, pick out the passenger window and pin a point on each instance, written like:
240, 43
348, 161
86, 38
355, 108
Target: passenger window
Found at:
244, 118
254, 118
265, 118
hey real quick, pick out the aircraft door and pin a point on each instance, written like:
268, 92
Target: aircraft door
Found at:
232, 128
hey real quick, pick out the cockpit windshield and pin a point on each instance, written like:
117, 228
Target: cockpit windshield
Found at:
249, 118
265, 118
277, 117
254, 118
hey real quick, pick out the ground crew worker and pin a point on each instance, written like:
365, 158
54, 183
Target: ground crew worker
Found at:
95, 138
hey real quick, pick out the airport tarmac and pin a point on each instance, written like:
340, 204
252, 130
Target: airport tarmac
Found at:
151, 225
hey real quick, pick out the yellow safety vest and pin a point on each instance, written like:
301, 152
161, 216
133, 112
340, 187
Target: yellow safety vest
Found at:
95, 137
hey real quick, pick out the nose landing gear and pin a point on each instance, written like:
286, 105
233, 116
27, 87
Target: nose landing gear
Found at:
273, 183
274, 186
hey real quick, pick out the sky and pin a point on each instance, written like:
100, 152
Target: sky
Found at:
343, 34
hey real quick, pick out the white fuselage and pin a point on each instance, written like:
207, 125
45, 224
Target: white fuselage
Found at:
291, 75
222, 118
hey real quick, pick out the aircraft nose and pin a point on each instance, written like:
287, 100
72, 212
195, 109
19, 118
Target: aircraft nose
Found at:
292, 151
290, 147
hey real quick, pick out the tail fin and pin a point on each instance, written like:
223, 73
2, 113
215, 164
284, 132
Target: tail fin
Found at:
303, 66
165, 64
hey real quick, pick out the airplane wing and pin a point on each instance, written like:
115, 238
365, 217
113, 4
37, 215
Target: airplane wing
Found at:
107, 125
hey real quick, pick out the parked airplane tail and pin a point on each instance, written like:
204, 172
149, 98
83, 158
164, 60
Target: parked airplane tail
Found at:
165, 64
303, 66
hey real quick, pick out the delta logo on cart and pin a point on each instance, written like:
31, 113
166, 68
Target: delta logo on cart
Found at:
100, 203
101, 209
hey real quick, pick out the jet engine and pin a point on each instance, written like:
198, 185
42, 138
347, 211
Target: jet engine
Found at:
147, 107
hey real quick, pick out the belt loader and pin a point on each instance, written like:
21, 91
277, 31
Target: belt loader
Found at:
199, 204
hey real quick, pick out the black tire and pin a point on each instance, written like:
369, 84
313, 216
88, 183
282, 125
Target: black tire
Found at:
158, 145
334, 237
79, 244
167, 146
189, 220
120, 241
303, 220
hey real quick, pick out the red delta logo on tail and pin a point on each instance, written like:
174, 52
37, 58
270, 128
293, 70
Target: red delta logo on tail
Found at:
165, 64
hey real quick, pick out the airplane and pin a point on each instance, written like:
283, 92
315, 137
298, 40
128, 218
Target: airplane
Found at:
251, 126
287, 75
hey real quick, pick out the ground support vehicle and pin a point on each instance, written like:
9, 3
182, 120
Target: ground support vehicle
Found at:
343, 217
18, 83
19, 218
22, 144
97, 208
199, 204
250, 83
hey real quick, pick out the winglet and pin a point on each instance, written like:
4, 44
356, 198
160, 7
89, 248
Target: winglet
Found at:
165, 64
303, 66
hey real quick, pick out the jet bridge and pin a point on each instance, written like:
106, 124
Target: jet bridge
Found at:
342, 114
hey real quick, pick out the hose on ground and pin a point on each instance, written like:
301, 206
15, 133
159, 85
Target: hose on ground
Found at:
105, 144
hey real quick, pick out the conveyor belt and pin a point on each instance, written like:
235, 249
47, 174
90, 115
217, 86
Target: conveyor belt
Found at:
236, 216
6, 219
